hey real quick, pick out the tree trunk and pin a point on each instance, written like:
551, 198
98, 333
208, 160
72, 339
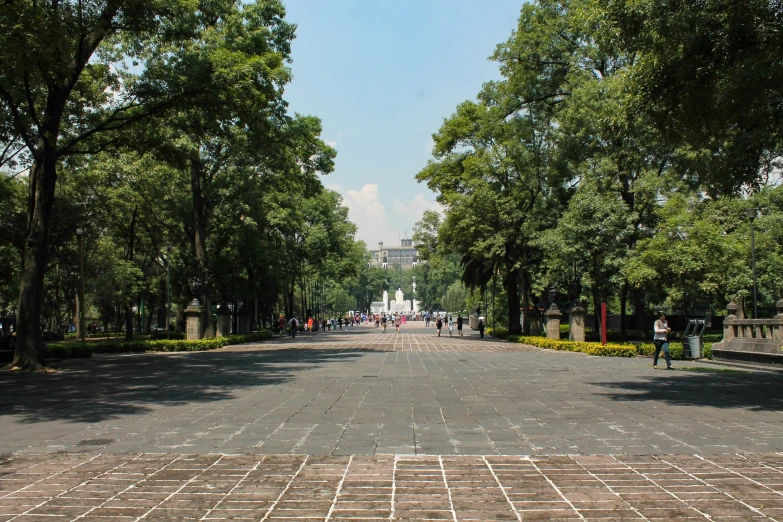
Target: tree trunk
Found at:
130, 256
524, 280
128, 322
597, 308
43, 178
639, 309
513, 303
200, 246
180, 318
623, 306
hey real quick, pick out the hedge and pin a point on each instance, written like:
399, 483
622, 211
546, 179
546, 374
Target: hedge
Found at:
69, 350
608, 350
72, 350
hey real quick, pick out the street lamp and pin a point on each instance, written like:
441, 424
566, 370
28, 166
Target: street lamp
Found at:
80, 333
752, 213
168, 290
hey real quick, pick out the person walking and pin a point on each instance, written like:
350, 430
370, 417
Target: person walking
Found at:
427, 320
397, 322
481, 327
294, 324
439, 324
459, 325
281, 325
661, 340
383, 323
451, 326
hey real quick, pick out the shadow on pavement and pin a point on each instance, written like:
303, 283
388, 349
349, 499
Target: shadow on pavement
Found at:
105, 387
752, 391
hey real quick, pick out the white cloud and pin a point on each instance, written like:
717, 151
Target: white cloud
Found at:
366, 210
373, 222
416, 207
332, 144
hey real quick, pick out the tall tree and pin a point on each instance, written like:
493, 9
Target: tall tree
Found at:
65, 82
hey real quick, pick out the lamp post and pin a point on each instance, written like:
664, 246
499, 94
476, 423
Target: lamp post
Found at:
752, 213
80, 333
168, 290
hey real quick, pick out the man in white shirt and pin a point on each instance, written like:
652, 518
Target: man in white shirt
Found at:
661, 340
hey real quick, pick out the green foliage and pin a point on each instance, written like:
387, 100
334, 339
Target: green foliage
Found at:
60, 349
615, 158
608, 350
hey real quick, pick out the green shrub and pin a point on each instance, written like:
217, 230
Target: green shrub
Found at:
609, 350
174, 336
500, 333
86, 349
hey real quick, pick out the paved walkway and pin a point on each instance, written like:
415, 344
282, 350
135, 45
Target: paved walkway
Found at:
101, 488
406, 426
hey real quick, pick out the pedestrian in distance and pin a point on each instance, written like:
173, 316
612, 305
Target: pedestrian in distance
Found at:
397, 323
281, 325
451, 326
459, 325
294, 324
481, 327
383, 323
661, 340
439, 325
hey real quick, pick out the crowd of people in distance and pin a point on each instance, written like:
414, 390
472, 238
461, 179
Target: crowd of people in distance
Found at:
379, 320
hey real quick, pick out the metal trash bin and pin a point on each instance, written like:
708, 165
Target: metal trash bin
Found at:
693, 342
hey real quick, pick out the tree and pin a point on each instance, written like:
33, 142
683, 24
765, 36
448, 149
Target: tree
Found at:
71, 92
707, 74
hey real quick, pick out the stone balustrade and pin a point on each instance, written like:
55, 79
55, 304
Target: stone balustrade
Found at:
751, 340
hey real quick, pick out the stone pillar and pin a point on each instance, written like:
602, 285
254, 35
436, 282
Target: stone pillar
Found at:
536, 322
728, 323
245, 320
553, 322
223, 320
576, 323
193, 320
777, 335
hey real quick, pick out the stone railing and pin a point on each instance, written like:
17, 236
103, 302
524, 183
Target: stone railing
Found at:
753, 340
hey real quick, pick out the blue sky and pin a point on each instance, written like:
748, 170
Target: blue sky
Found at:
382, 76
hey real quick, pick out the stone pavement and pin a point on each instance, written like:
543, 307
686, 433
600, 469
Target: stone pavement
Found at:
101, 488
363, 425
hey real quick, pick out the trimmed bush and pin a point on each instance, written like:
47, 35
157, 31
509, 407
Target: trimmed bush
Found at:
73, 349
174, 336
610, 350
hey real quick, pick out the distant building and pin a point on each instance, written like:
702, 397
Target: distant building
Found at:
404, 256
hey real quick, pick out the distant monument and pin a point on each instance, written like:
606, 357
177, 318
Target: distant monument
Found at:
400, 305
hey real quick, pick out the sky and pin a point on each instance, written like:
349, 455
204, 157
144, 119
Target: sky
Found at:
382, 76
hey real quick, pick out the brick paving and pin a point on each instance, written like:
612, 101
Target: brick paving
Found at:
403, 487
362, 425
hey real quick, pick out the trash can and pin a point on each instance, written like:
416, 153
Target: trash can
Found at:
693, 339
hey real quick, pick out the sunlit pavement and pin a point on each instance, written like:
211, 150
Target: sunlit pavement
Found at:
365, 425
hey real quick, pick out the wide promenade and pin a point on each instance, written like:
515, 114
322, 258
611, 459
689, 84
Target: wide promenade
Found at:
362, 425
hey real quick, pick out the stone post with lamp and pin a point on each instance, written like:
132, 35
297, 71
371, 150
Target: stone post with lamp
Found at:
223, 320
553, 322
194, 329
576, 323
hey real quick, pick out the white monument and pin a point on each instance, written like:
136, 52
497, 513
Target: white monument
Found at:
399, 304
415, 301
385, 301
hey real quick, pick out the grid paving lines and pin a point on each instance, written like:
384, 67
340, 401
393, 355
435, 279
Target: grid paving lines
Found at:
389, 342
136, 487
